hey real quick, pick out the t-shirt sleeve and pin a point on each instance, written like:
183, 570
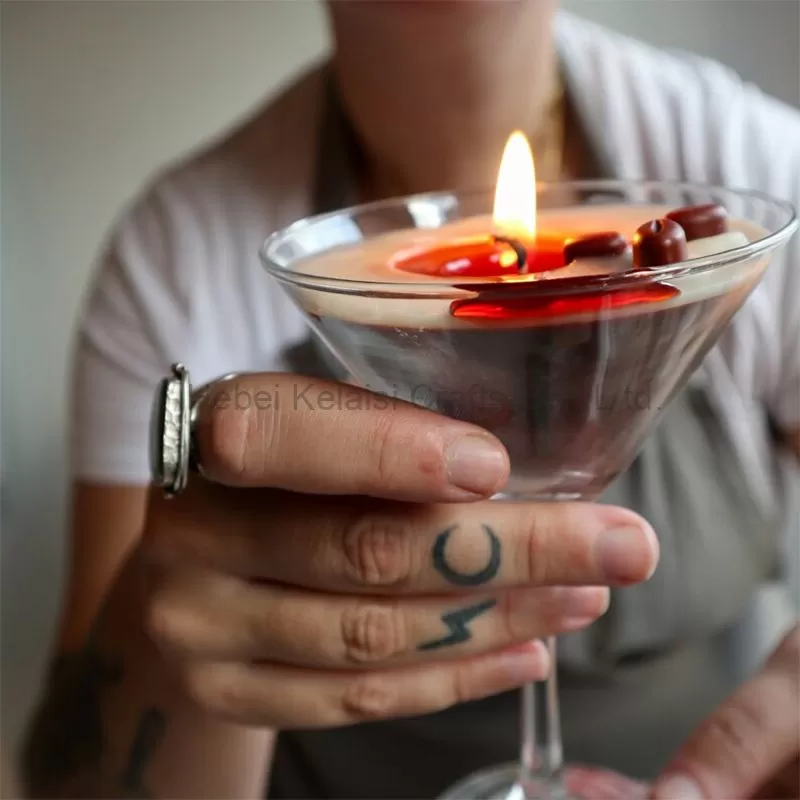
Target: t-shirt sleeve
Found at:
133, 323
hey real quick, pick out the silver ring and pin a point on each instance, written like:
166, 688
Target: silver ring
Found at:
173, 452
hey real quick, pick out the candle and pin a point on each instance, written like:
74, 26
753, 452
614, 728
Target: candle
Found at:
515, 245
564, 365
512, 246
517, 249
496, 266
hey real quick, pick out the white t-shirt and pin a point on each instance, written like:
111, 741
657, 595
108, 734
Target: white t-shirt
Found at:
180, 279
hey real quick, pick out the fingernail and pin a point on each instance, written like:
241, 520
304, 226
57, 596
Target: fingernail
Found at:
584, 602
529, 662
577, 623
628, 554
476, 465
583, 606
677, 787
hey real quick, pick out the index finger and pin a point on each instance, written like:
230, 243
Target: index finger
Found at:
305, 435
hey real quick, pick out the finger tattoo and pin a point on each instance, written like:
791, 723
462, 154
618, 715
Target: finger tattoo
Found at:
456, 622
457, 578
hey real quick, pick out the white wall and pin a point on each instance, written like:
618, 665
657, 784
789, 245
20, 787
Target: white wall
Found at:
96, 95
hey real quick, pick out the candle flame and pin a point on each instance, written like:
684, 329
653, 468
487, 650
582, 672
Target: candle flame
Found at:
515, 195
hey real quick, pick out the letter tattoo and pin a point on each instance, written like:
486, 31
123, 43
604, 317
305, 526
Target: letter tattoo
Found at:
148, 735
466, 578
67, 741
67, 751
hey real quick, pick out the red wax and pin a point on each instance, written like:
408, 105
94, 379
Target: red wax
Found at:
490, 257
532, 307
543, 259
480, 257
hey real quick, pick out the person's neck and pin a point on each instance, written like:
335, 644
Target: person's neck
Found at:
433, 89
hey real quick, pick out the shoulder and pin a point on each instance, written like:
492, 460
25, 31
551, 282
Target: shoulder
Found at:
179, 280
262, 164
670, 114
186, 247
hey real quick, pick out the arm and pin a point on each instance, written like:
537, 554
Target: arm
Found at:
112, 722
107, 707
96, 554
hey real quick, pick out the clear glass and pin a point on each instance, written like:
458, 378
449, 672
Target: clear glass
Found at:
572, 397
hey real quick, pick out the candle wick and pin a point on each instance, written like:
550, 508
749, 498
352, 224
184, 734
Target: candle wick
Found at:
519, 250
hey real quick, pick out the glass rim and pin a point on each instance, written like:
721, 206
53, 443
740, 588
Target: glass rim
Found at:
553, 285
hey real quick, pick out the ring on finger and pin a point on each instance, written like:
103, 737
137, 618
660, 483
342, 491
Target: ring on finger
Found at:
173, 444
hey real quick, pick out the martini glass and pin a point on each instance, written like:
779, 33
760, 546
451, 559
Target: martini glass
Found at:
569, 369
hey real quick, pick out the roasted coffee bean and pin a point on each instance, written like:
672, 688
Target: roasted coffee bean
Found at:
700, 222
658, 243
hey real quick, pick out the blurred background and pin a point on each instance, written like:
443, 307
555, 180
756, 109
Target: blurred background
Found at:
96, 96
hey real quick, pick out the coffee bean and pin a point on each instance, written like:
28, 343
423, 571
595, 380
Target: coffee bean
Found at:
658, 243
700, 222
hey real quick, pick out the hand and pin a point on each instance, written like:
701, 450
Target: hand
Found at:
595, 783
749, 748
338, 564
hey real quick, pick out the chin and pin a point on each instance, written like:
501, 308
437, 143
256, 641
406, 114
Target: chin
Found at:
432, 6
449, 5
419, 18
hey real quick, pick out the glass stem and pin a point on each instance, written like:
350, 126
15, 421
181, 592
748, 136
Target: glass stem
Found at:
541, 756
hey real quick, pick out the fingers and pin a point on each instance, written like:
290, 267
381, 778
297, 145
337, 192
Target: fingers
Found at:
601, 784
319, 437
217, 617
747, 740
285, 697
349, 546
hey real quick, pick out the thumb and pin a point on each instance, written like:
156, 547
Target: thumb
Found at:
744, 742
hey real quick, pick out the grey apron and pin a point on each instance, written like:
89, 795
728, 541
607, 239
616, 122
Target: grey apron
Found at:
636, 682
